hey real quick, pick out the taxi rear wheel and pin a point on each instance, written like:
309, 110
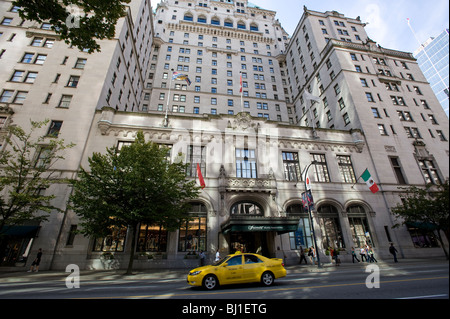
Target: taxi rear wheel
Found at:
210, 282
267, 278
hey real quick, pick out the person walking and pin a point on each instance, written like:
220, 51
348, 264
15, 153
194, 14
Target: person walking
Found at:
354, 255
202, 258
302, 256
35, 265
217, 256
371, 255
362, 253
312, 255
393, 252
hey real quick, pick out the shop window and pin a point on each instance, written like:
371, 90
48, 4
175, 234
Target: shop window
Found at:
422, 236
114, 242
359, 226
330, 227
192, 235
152, 239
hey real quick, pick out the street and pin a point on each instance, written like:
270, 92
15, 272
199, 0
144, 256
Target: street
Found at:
412, 280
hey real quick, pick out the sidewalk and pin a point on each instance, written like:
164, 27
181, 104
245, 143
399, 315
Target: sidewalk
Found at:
21, 275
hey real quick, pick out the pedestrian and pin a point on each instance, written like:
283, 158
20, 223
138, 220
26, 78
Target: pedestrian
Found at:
217, 255
393, 252
312, 255
354, 255
35, 265
362, 253
302, 256
202, 258
372, 257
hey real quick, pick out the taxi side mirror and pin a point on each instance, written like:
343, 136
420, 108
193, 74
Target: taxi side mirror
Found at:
224, 264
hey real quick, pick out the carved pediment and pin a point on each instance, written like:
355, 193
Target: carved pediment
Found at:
244, 122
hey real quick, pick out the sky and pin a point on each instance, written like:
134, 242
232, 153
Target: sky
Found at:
387, 19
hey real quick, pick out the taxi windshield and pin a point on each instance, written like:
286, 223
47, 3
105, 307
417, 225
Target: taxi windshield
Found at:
221, 261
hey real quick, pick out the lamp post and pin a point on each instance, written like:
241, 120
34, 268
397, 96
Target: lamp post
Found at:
311, 222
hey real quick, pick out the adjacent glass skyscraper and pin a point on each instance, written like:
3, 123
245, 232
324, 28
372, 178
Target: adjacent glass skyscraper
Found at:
434, 62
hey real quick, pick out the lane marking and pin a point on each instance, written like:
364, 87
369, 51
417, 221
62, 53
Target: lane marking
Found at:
423, 297
168, 295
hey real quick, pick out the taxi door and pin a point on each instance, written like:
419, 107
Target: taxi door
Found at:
253, 268
233, 271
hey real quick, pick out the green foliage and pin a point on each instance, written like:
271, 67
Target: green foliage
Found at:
22, 177
425, 207
135, 185
97, 20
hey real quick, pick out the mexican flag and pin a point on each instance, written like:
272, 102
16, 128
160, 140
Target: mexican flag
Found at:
370, 182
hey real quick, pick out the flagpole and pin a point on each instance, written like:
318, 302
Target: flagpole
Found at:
311, 221
359, 178
166, 117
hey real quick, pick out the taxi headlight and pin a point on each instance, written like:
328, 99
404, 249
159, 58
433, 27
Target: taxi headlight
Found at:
195, 273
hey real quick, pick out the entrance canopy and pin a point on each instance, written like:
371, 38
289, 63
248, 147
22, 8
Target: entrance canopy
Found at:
20, 231
280, 225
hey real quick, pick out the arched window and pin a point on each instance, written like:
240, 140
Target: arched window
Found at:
229, 23
192, 234
241, 25
303, 235
330, 227
246, 208
359, 226
215, 21
188, 17
254, 27
201, 19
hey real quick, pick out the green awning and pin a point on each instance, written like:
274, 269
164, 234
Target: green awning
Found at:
422, 225
280, 225
19, 231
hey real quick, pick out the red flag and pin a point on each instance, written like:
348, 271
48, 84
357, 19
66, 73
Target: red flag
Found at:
240, 90
200, 176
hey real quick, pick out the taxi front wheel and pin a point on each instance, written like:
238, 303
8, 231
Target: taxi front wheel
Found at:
210, 282
267, 279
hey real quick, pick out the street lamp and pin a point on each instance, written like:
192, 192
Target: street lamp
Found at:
311, 222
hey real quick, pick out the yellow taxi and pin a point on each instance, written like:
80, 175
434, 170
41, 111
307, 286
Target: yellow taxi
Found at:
237, 269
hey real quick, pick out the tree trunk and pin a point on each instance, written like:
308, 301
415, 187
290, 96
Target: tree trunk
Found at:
133, 248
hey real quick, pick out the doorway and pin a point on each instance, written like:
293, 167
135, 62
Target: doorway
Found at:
249, 242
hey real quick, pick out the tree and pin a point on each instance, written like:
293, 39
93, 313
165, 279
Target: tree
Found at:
77, 22
133, 186
427, 208
27, 167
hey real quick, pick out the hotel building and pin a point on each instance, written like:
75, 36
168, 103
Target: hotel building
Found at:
327, 98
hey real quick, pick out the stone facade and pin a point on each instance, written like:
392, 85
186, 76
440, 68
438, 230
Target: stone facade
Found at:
252, 147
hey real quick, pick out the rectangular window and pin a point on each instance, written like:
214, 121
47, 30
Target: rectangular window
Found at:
73, 81
196, 155
291, 166
246, 163
346, 169
429, 172
398, 170
65, 101
54, 129
320, 168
